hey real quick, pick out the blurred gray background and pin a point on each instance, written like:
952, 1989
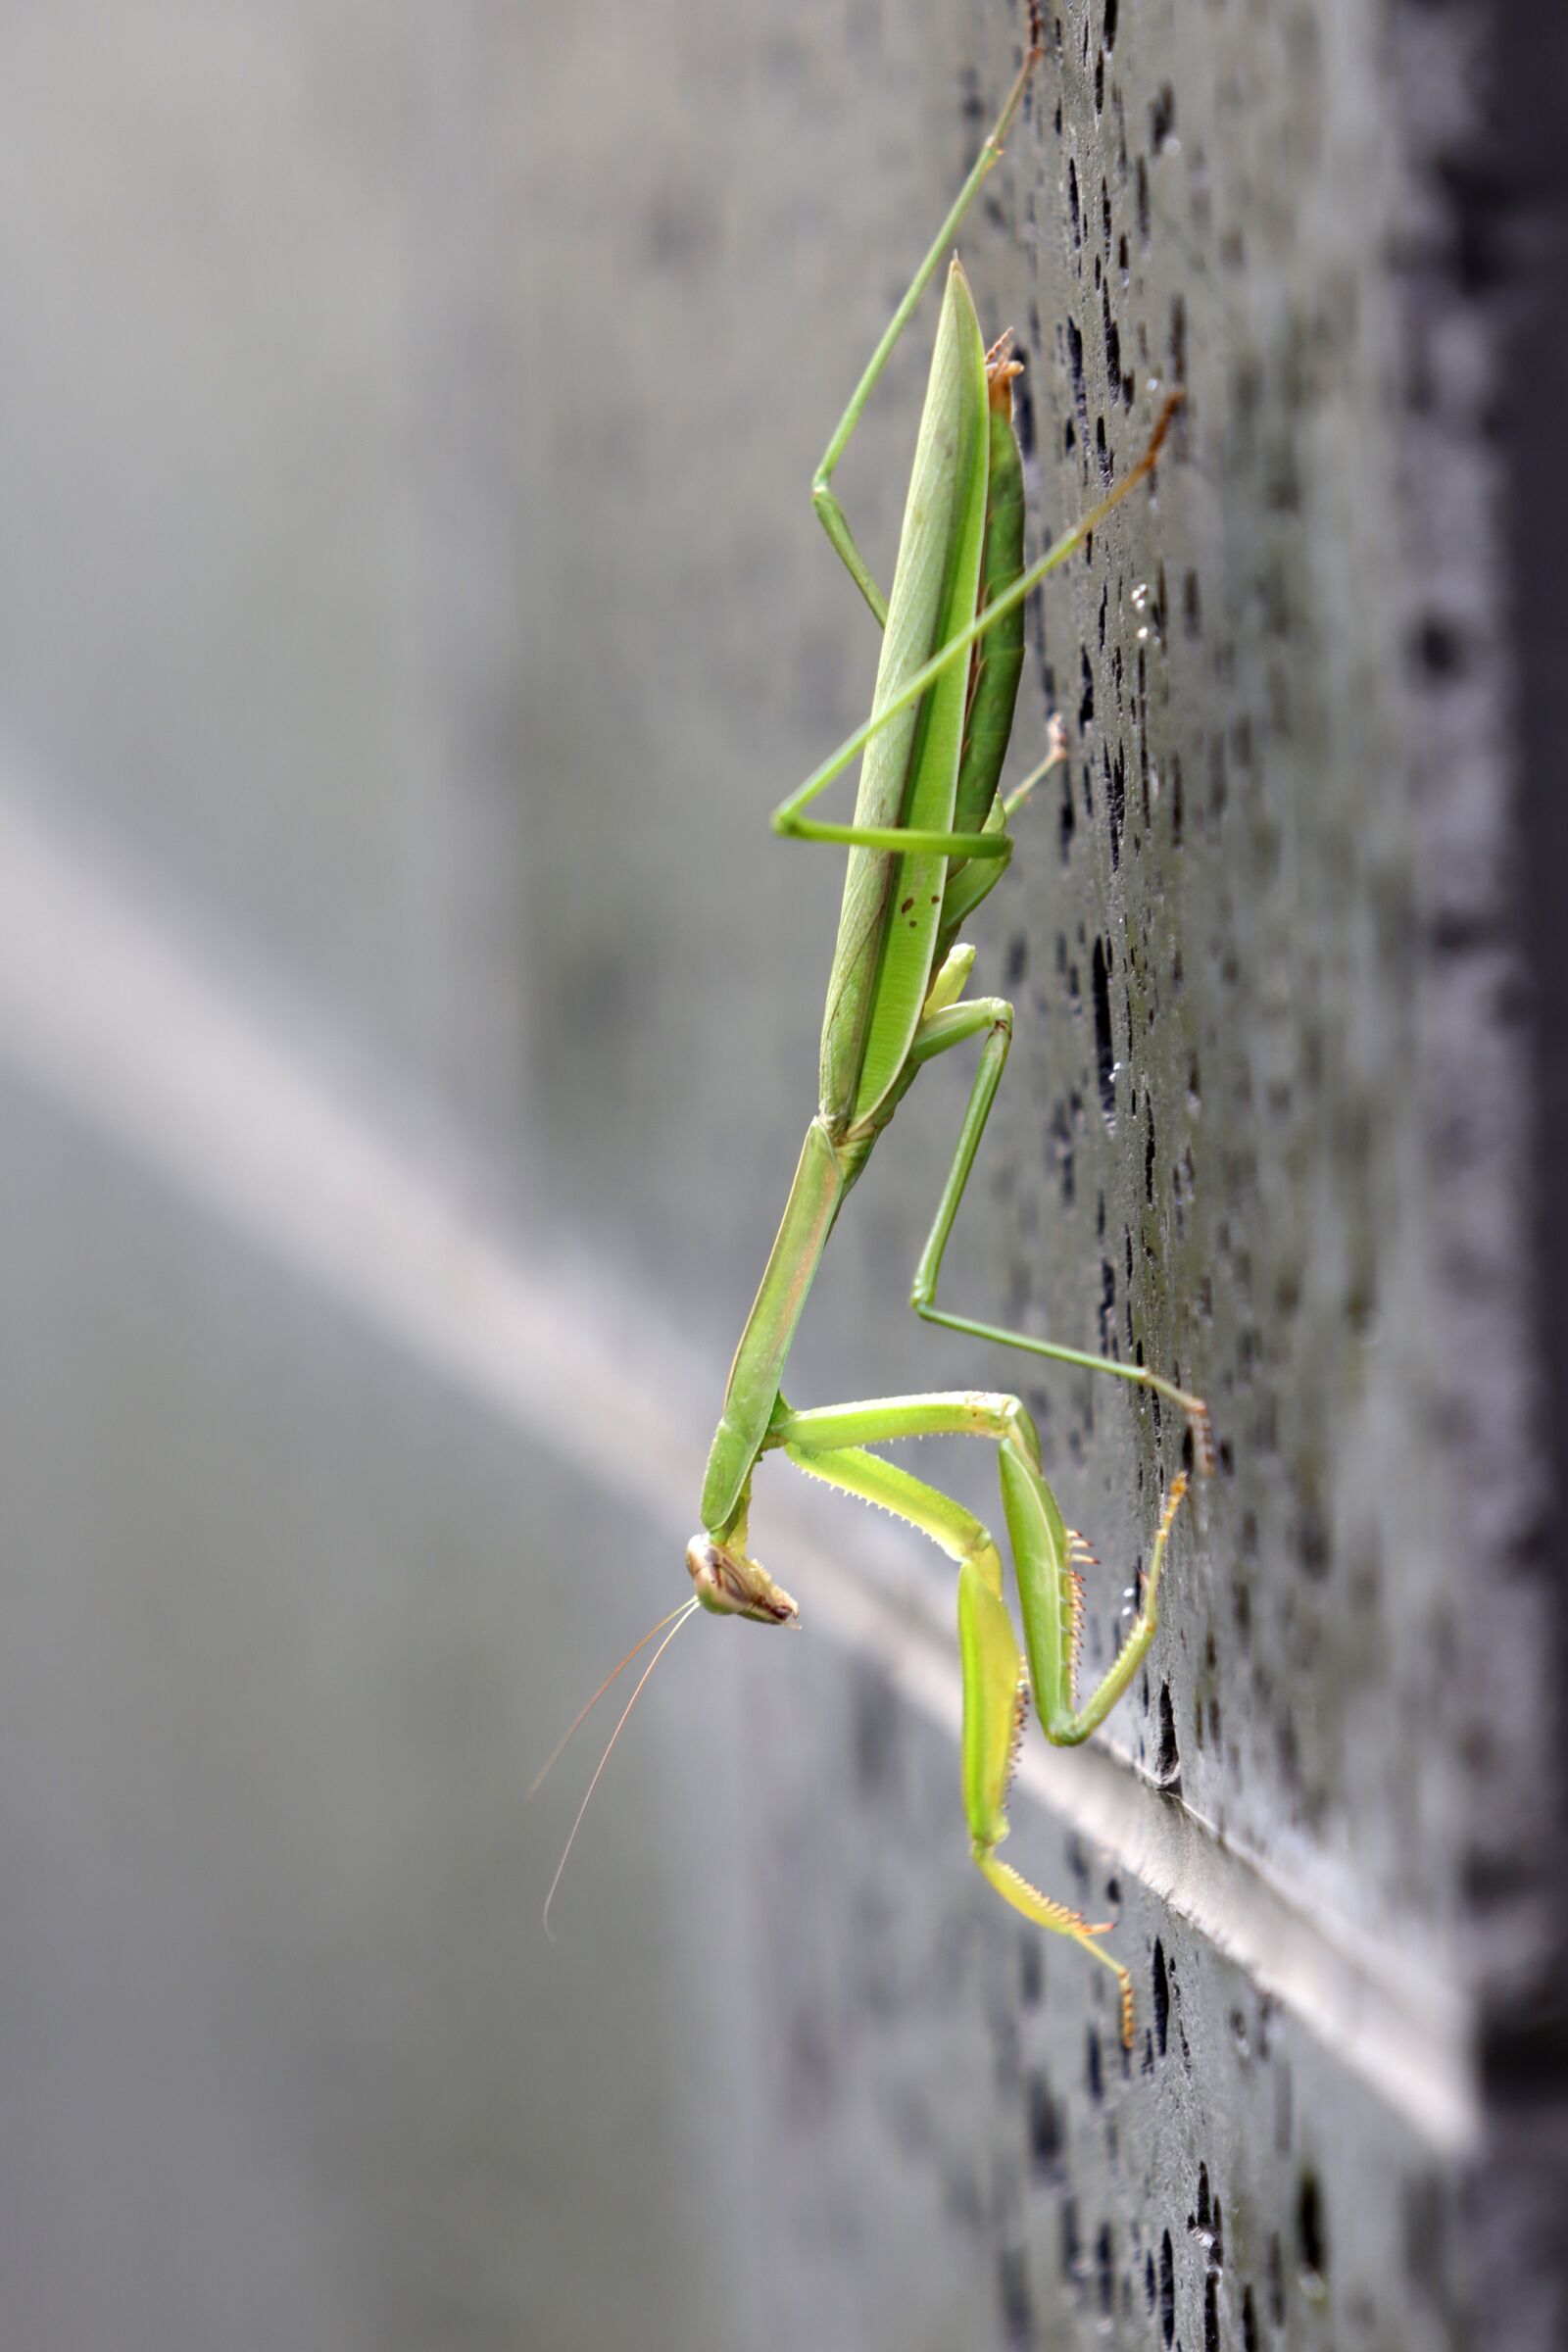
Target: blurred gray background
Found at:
410, 606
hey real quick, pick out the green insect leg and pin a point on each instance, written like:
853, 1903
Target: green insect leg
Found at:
996, 1695
828, 1445
943, 1029
787, 816
825, 1439
1050, 1601
968, 883
827, 506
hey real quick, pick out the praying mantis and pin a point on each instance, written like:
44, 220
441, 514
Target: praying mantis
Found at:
928, 842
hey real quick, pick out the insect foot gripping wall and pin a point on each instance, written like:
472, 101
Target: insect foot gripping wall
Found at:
1262, 1129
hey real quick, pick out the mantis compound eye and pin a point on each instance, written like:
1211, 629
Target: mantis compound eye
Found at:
732, 1585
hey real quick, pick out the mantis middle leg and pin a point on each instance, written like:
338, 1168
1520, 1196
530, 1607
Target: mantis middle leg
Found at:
992, 1017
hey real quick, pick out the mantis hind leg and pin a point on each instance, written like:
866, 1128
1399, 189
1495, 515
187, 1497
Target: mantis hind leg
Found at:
942, 1029
830, 513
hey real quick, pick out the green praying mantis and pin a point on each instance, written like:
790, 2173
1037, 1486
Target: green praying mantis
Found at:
928, 842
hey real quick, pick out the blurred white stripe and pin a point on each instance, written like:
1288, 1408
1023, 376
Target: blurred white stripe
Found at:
106, 1015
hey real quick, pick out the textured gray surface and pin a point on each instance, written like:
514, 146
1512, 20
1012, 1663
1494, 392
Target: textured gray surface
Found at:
411, 595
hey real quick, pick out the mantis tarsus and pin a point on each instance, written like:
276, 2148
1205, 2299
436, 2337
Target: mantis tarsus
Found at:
928, 841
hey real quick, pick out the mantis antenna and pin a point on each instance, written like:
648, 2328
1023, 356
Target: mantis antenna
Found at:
680, 1616
588, 1706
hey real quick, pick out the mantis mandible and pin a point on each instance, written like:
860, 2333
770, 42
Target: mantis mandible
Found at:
928, 841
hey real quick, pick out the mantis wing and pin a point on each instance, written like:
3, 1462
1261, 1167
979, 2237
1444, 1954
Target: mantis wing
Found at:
891, 900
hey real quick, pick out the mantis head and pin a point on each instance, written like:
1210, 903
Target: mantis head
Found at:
732, 1585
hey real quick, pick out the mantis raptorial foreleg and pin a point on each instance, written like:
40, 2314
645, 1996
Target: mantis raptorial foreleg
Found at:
828, 1444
